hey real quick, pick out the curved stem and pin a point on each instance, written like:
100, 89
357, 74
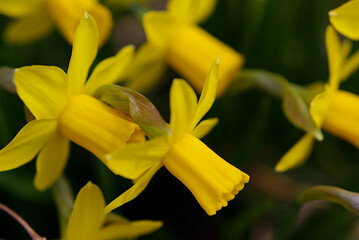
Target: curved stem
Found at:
23, 223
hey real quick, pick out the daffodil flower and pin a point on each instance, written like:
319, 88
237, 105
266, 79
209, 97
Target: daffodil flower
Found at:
210, 178
36, 18
64, 109
174, 37
335, 110
88, 221
345, 19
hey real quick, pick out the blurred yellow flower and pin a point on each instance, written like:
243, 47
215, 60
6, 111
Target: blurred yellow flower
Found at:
88, 221
36, 18
174, 37
210, 178
335, 110
345, 19
64, 109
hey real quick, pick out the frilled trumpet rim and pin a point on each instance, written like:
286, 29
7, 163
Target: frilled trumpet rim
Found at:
96, 126
342, 118
211, 179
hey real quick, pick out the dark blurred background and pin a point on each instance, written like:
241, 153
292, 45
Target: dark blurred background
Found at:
282, 36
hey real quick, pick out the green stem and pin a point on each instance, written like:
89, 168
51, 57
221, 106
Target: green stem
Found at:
64, 201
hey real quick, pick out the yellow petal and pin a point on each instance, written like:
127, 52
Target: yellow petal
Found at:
87, 215
297, 155
194, 11
335, 56
51, 161
159, 27
183, 103
204, 127
19, 8
26, 144
67, 14
83, 53
96, 126
28, 29
342, 118
146, 69
319, 107
135, 190
211, 179
132, 160
110, 70
351, 65
208, 94
129, 230
345, 19
188, 54
42, 89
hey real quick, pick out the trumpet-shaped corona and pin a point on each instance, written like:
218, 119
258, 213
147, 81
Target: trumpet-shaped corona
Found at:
96, 126
64, 109
211, 179
192, 51
342, 118
175, 38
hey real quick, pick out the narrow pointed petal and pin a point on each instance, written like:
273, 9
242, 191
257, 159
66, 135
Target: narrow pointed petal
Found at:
159, 27
335, 56
208, 94
26, 144
147, 68
135, 190
192, 11
345, 19
183, 104
84, 52
29, 29
51, 161
42, 89
87, 215
19, 8
351, 66
134, 159
129, 230
204, 127
297, 155
110, 70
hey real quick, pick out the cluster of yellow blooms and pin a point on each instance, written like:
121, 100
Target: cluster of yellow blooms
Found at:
66, 106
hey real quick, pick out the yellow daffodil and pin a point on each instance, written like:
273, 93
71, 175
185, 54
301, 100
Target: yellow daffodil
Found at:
36, 18
174, 37
210, 178
88, 221
345, 19
335, 110
64, 109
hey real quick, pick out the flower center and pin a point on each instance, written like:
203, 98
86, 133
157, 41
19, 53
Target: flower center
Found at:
192, 52
97, 127
342, 118
211, 179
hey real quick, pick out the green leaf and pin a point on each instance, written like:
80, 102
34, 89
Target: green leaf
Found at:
295, 107
349, 200
134, 104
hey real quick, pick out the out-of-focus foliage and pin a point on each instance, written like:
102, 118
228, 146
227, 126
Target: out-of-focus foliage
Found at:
280, 36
